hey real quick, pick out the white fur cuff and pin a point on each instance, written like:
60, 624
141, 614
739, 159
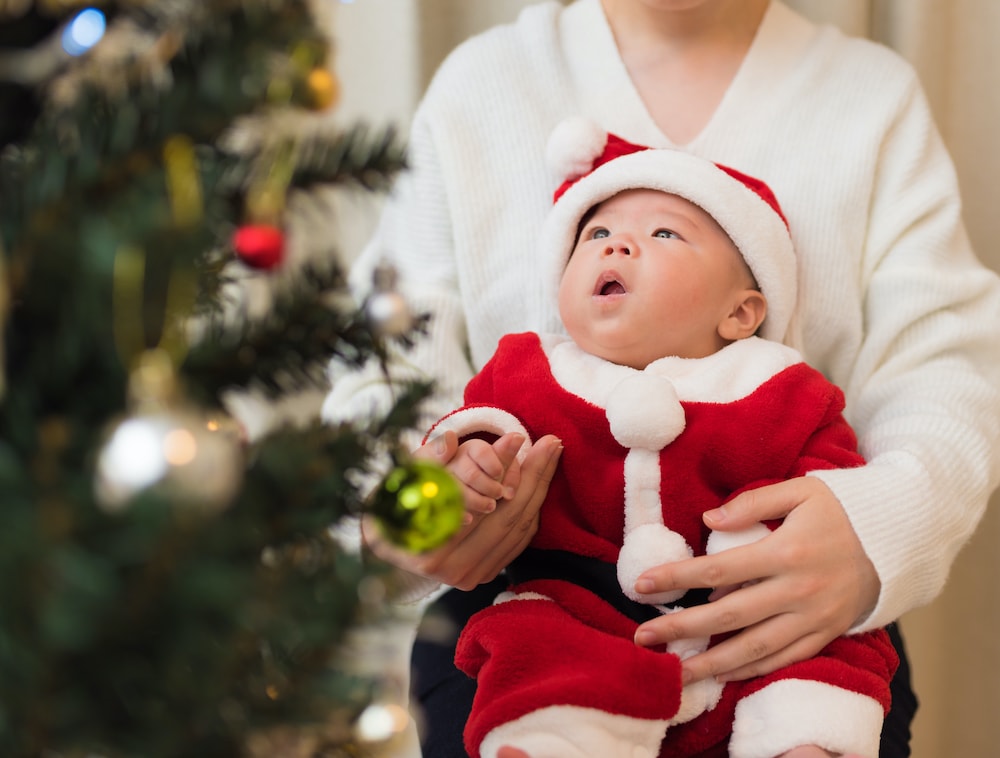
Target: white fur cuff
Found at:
794, 712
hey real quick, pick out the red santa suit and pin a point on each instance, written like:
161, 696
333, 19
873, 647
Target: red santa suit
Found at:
646, 453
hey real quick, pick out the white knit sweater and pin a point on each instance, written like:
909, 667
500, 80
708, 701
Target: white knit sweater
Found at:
893, 305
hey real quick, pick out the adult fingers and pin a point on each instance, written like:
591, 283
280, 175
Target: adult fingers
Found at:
498, 538
440, 448
773, 501
733, 567
766, 642
484, 547
772, 644
801, 586
507, 448
740, 608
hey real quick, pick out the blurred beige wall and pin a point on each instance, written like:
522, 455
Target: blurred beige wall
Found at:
387, 50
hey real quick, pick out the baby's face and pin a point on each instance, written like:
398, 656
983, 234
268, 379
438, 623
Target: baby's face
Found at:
651, 275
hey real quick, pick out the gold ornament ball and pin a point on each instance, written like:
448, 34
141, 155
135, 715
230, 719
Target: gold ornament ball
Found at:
420, 506
324, 89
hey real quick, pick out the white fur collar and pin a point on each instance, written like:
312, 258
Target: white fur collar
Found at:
730, 374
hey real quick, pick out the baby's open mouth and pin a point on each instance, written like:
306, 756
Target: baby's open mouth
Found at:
608, 284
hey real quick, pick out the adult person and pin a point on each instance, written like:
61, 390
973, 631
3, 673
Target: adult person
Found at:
894, 307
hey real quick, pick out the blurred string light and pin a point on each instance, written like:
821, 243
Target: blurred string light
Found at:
32, 65
381, 722
83, 31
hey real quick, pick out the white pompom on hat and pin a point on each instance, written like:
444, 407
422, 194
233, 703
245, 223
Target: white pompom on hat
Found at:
596, 165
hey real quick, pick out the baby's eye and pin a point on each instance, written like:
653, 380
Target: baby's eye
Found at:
599, 233
664, 234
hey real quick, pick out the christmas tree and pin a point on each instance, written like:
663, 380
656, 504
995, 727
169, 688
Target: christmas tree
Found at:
169, 587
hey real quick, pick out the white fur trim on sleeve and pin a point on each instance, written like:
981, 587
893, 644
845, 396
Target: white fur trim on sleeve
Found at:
566, 731
483, 419
719, 541
794, 712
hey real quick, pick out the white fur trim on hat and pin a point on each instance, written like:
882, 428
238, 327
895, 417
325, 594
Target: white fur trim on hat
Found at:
754, 226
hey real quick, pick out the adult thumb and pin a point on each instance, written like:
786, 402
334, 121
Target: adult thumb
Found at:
441, 448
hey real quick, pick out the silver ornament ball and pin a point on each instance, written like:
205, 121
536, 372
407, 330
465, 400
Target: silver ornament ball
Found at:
389, 314
175, 452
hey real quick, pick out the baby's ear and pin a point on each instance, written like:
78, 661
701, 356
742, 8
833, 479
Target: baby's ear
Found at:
749, 309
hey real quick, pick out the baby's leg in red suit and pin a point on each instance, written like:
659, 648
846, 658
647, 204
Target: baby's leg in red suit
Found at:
564, 679
836, 699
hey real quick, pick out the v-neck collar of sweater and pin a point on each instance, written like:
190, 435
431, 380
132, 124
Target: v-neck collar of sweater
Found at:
611, 99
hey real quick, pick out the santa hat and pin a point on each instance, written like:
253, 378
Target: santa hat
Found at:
596, 165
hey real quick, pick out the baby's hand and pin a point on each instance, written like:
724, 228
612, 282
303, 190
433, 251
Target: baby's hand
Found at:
811, 751
484, 476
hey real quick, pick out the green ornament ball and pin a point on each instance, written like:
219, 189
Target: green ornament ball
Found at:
419, 507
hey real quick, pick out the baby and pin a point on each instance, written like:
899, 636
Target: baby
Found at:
667, 268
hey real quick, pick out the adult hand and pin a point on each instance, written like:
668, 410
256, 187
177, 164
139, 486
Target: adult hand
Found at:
488, 541
803, 585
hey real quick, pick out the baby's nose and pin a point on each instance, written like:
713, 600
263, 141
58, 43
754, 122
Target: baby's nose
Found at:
619, 245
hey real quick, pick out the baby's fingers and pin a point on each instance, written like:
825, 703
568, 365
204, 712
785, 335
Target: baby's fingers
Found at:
480, 470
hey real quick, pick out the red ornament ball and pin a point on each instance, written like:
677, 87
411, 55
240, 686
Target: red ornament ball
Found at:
260, 246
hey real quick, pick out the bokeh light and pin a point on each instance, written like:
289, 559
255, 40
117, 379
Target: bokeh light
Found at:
84, 31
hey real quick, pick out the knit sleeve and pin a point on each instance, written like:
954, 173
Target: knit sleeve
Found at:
924, 392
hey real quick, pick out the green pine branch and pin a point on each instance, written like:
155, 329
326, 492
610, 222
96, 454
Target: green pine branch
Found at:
357, 157
290, 347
